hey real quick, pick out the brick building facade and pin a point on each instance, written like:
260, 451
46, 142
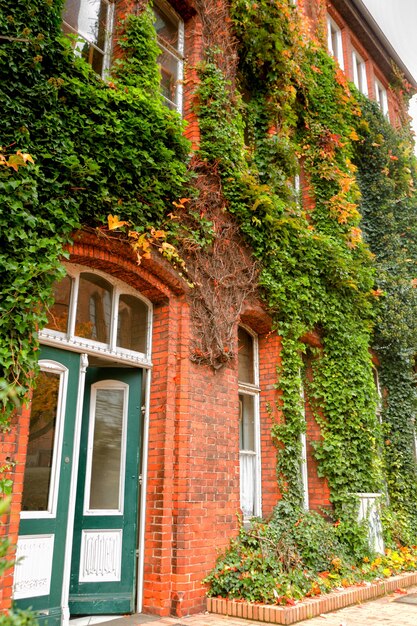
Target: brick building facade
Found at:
192, 474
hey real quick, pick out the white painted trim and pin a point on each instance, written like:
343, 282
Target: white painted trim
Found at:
143, 493
180, 77
70, 341
304, 471
304, 464
33, 570
73, 490
116, 385
53, 367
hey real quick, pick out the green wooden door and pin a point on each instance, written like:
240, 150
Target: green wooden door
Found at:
103, 569
43, 526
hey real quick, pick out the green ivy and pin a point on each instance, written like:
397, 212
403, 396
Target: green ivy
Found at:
387, 178
99, 148
316, 273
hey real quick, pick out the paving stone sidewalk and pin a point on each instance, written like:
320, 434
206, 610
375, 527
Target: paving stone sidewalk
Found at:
385, 611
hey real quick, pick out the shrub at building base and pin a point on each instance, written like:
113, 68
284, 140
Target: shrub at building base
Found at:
18, 618
299, 554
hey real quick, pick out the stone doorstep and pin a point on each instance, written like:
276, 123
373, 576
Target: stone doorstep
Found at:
311, 607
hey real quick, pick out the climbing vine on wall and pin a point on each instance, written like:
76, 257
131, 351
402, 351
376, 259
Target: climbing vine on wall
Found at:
387, 178
316, 272
270, 103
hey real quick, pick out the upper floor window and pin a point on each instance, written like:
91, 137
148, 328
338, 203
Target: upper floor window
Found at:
170, 31
98, 315
92, 21
381, 97
334, 41
359, 73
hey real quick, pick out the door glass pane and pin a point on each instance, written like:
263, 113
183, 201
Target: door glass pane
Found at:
58, 313
107, 448
38, 468
247, 422
132, 323
93, 308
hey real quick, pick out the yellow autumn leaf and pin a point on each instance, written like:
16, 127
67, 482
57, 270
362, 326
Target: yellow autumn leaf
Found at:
25, 156
181, 203
114, 222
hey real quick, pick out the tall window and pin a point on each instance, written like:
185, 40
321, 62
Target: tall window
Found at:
249, 437
359, 73
170, 31
381, 97
92, 21
334, 41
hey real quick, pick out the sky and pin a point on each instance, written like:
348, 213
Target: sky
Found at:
398, 21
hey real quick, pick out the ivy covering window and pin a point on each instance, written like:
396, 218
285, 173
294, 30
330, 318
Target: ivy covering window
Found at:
92, 21
249, 439
170, 31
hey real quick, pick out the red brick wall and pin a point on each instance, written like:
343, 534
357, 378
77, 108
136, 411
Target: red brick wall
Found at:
193, 475
13, 450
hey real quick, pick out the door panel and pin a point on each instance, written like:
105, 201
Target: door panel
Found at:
105, 530
44, 517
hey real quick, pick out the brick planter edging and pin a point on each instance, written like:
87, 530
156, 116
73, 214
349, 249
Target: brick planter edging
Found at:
311, 607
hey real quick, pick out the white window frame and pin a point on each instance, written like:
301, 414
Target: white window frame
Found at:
253, 390
106, 51
53, 367
89, 346
304, 463
334, 29
177, 54
379, 394
381, 97
359, 72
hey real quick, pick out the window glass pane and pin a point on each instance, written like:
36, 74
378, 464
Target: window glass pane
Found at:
132, 323
88, 18
93, 308
107, 447
58, 313
42, 426
245, 357
91, 20
246, 422
169, 75
335, 42
166, 27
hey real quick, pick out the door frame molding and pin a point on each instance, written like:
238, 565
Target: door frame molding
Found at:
143, 491
53, 367
73, 491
